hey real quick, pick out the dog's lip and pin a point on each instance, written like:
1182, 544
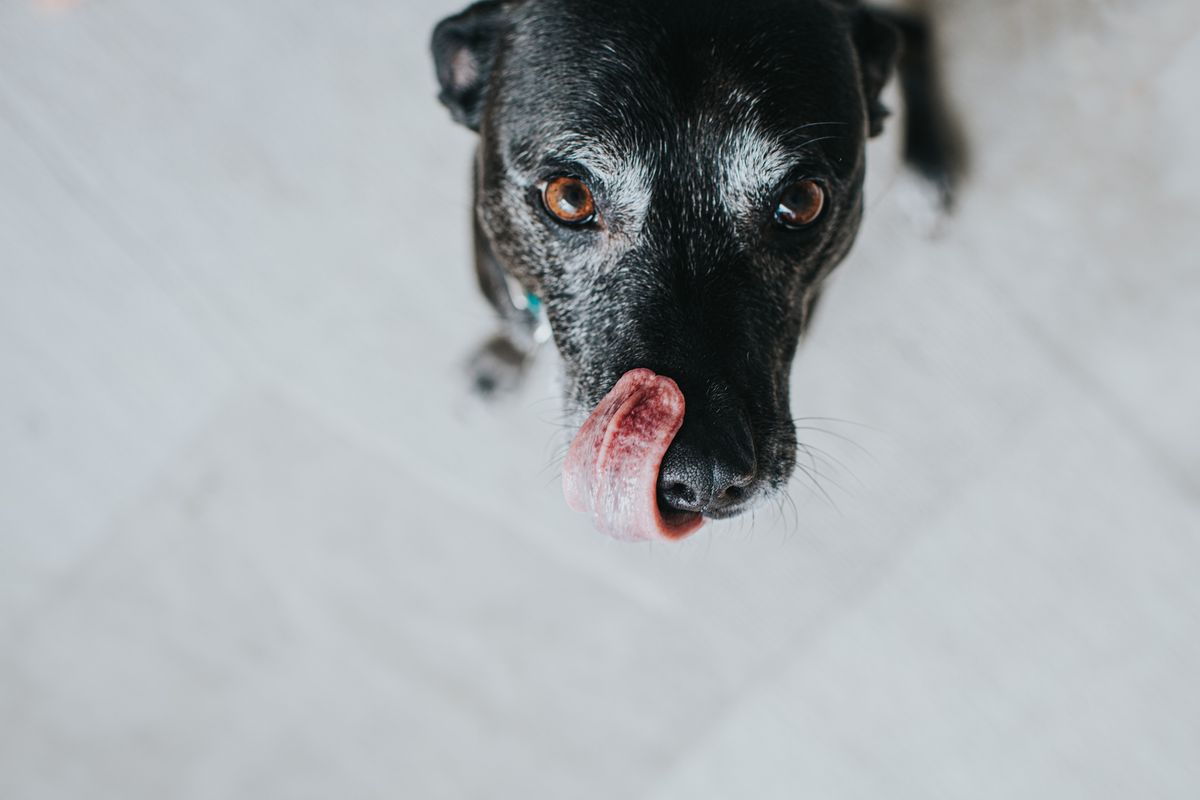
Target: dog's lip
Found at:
612, 466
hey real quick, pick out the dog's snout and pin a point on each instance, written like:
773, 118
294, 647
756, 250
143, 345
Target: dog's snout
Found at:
709, 468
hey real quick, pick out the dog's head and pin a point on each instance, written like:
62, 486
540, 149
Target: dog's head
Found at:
674, 181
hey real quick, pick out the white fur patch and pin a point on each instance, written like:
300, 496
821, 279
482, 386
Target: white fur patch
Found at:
750, 164
626, 178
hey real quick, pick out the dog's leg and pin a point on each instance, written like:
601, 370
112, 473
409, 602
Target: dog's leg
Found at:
499, 364
933, 144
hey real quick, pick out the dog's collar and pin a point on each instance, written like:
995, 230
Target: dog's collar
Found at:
529, 303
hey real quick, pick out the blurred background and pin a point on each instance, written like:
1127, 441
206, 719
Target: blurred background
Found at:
257, 540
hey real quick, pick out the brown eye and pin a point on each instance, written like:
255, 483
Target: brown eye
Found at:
800, 204
569, 200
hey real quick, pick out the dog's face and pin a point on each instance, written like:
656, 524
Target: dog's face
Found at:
674, 180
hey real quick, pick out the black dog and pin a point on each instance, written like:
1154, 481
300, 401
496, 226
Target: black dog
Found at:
665, 185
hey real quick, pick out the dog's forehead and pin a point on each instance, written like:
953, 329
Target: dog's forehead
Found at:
697, 81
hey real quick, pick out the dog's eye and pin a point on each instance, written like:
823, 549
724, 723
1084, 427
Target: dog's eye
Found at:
800, 204
569, 200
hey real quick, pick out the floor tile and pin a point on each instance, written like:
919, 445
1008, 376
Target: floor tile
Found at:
1037, 642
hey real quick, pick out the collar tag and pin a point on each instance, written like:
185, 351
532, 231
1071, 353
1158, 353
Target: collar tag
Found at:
531, 304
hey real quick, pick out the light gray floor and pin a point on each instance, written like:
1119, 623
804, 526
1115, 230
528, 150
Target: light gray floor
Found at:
256, 542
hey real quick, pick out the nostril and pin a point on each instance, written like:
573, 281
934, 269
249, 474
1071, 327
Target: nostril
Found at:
679, 495
732, 488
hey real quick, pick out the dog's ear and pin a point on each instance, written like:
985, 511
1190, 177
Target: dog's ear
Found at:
878, 45
464, 49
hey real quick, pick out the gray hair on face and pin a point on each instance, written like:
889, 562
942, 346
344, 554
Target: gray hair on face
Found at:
625, 176
751, 162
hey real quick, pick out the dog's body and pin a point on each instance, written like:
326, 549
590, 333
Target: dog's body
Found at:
701, 136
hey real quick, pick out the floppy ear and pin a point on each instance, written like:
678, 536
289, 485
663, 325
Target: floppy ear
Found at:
878, 45
464, 48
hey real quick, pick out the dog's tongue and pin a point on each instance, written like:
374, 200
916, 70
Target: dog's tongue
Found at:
612, 466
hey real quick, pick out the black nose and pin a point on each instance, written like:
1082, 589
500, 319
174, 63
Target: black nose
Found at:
709, 467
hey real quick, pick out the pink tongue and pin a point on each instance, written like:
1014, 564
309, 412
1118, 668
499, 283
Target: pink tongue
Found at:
612, 467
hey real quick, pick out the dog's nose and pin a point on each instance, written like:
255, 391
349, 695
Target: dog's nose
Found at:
708, 468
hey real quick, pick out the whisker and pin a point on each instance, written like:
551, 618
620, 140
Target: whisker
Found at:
839, 420
777, 501
795, 511
812, 471
845, 439
807, 125
818, 139
832, 461
817, 485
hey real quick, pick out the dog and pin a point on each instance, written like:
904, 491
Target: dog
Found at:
662, 188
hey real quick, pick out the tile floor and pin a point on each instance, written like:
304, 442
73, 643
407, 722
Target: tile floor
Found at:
256, 541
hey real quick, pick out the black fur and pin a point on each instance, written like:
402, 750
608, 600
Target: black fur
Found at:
711, 295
